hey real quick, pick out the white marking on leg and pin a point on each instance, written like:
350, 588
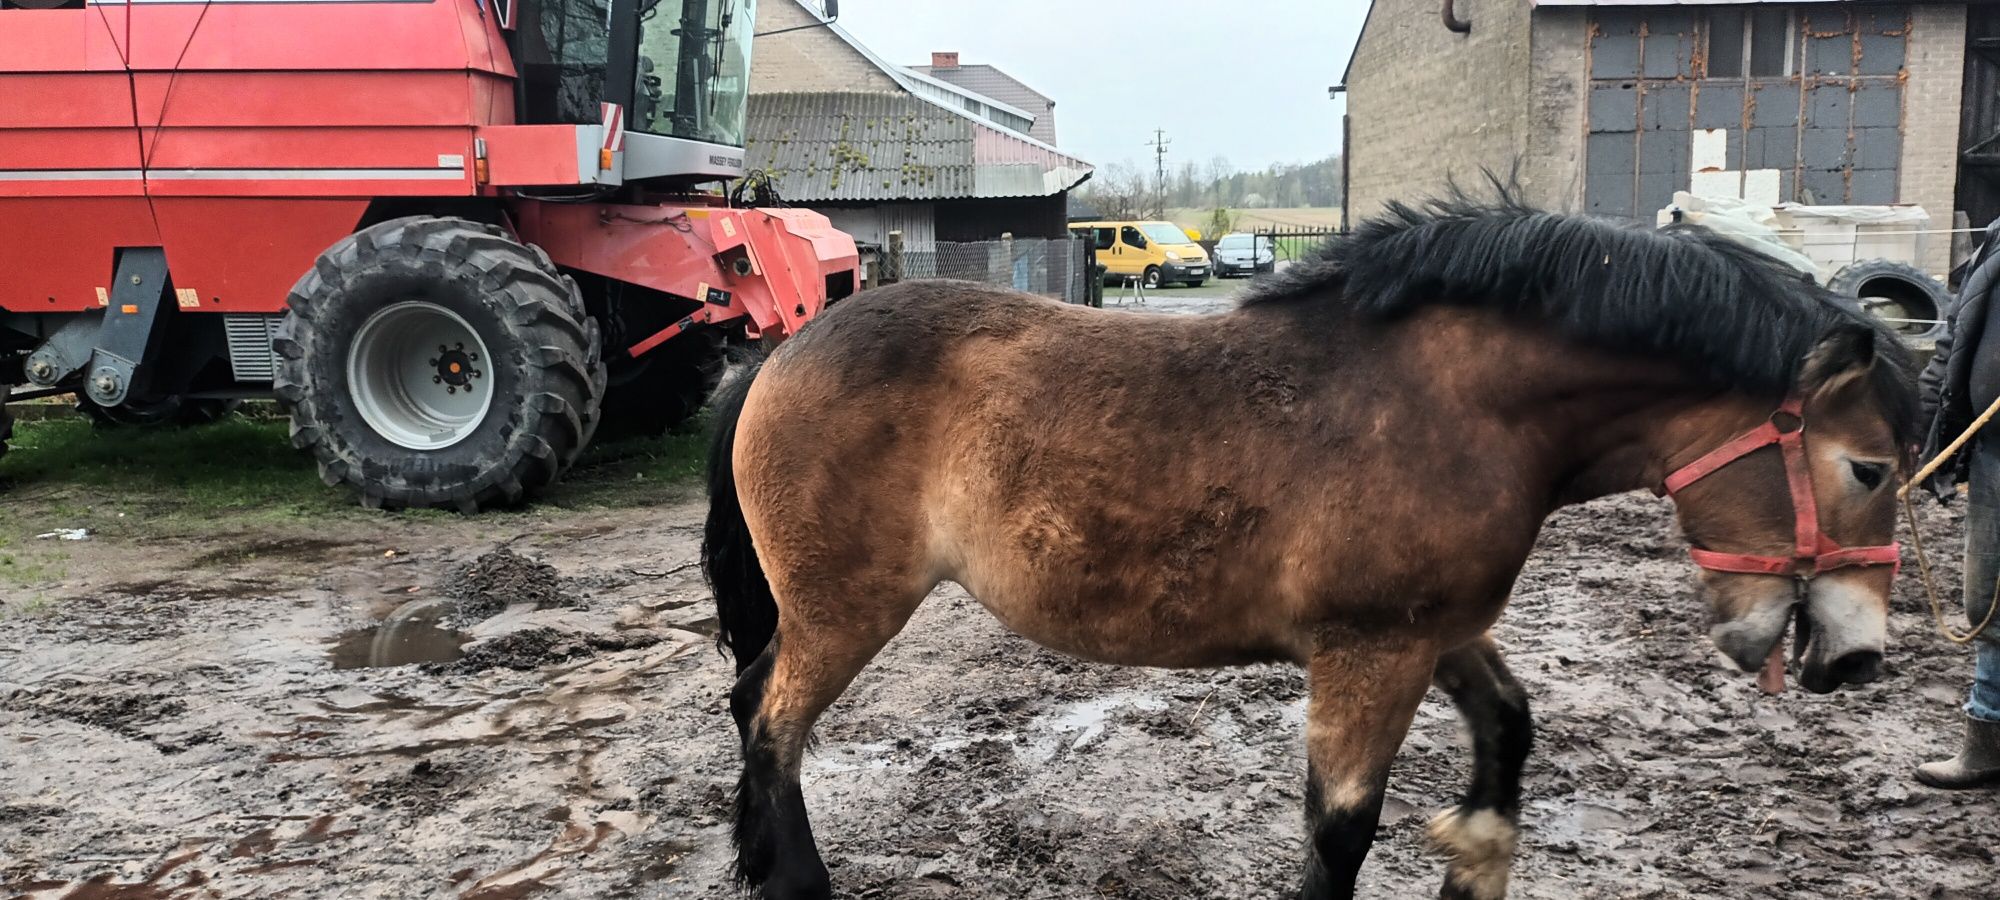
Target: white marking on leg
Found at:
1479, 848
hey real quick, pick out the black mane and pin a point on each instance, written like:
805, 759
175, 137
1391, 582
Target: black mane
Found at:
1726, 311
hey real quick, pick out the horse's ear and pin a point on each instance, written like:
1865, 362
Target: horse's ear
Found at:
1843, 355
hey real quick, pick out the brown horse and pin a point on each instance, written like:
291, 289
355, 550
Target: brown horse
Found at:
1352, 467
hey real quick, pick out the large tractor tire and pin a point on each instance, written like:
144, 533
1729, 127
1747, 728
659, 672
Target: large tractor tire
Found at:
6, 424
651, 394
1912, 301
170, 410
435, 362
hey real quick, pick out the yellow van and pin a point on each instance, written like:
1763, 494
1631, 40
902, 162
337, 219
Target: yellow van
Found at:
1155, 252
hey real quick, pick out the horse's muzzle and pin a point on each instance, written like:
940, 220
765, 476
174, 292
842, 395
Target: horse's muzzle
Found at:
1748, 640
1855, 667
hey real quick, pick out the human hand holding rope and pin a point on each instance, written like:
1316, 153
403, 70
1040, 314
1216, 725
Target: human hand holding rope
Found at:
1917, 541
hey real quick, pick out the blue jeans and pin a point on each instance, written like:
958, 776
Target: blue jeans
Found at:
1982, 568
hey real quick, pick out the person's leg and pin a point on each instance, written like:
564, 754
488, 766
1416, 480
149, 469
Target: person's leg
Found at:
1982, 570
1984, 704
1978, 761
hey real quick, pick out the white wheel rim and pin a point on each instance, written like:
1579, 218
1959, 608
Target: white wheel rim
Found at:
419, 375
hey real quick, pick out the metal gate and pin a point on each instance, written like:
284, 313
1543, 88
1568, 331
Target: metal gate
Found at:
1295, 242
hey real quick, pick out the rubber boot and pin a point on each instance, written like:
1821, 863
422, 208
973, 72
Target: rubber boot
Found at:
1976, 765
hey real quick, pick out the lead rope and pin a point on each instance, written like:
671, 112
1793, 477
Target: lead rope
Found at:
1917, 540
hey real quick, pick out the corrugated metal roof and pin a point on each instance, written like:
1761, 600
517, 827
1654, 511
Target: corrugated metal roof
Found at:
863, 147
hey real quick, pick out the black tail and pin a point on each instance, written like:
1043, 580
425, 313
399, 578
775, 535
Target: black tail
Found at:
746, 613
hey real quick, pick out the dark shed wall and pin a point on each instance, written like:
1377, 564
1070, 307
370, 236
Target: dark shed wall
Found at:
987, 219
1979, 135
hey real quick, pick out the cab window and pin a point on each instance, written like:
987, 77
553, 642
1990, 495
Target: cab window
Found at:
562, 49
1132, 237
1166, 233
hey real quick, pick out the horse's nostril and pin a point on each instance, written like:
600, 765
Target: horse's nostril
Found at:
1858, 667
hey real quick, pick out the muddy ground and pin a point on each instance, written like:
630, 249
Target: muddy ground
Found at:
205, 719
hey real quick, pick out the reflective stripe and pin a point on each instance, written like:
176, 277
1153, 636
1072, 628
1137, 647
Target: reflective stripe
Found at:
614, 126
240, 2
308, 174
453, 174
70, 175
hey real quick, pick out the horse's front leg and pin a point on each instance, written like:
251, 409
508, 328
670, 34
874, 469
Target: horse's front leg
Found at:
1364, 691
1478, 836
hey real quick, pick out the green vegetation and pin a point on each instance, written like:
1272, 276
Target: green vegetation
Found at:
22, 566
242, 475
236, 464
1121, 190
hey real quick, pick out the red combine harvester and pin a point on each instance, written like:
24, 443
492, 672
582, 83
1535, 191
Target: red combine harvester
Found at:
450, 236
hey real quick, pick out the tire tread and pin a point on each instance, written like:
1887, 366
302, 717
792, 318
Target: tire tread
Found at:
540, 308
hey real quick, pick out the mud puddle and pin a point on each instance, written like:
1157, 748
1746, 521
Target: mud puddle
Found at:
412, 634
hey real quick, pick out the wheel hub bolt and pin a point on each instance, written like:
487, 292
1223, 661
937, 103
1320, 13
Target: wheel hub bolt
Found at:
453, 368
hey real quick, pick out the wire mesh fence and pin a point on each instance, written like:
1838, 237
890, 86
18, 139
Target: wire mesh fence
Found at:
1051, 267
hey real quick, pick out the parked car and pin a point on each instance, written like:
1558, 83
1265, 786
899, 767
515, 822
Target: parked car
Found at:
1242, 253
1155, 252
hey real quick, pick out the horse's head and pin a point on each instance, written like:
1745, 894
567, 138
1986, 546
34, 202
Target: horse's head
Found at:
1793, 518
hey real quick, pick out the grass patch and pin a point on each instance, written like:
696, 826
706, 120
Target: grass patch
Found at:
33, 607
636, 471
235, 464
23, 565
242, 473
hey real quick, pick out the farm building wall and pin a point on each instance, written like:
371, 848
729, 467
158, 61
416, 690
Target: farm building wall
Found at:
811, 59
1551, 170
1426, 105
1819, 103
927, 222
871, 224
1932, 95
1611, 109
987, 218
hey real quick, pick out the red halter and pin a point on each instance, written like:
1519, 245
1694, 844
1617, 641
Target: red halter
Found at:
1812, 551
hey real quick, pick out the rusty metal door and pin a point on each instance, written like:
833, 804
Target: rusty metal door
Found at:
1776, 104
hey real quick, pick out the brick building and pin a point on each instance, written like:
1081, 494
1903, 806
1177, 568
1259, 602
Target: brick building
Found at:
879, 147
1610, 106
989, 81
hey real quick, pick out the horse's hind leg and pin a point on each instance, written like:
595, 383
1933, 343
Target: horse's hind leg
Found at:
1478, 836
1363, 695
819, 648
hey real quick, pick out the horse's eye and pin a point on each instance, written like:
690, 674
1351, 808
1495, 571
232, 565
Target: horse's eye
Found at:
1869, 474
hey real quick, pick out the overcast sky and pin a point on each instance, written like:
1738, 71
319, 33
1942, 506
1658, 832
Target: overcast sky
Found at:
1246, 80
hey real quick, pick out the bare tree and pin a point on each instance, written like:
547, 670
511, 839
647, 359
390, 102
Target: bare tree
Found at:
1119, 191
1187, 184
1219, 171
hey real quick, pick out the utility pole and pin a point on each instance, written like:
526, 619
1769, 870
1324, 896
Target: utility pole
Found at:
1159, 145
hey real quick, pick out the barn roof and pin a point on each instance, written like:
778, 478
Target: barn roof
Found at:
871, 146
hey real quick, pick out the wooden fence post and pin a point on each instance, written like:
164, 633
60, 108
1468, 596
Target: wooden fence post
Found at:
892, 265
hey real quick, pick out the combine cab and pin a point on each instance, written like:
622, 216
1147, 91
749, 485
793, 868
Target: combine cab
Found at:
456, 239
